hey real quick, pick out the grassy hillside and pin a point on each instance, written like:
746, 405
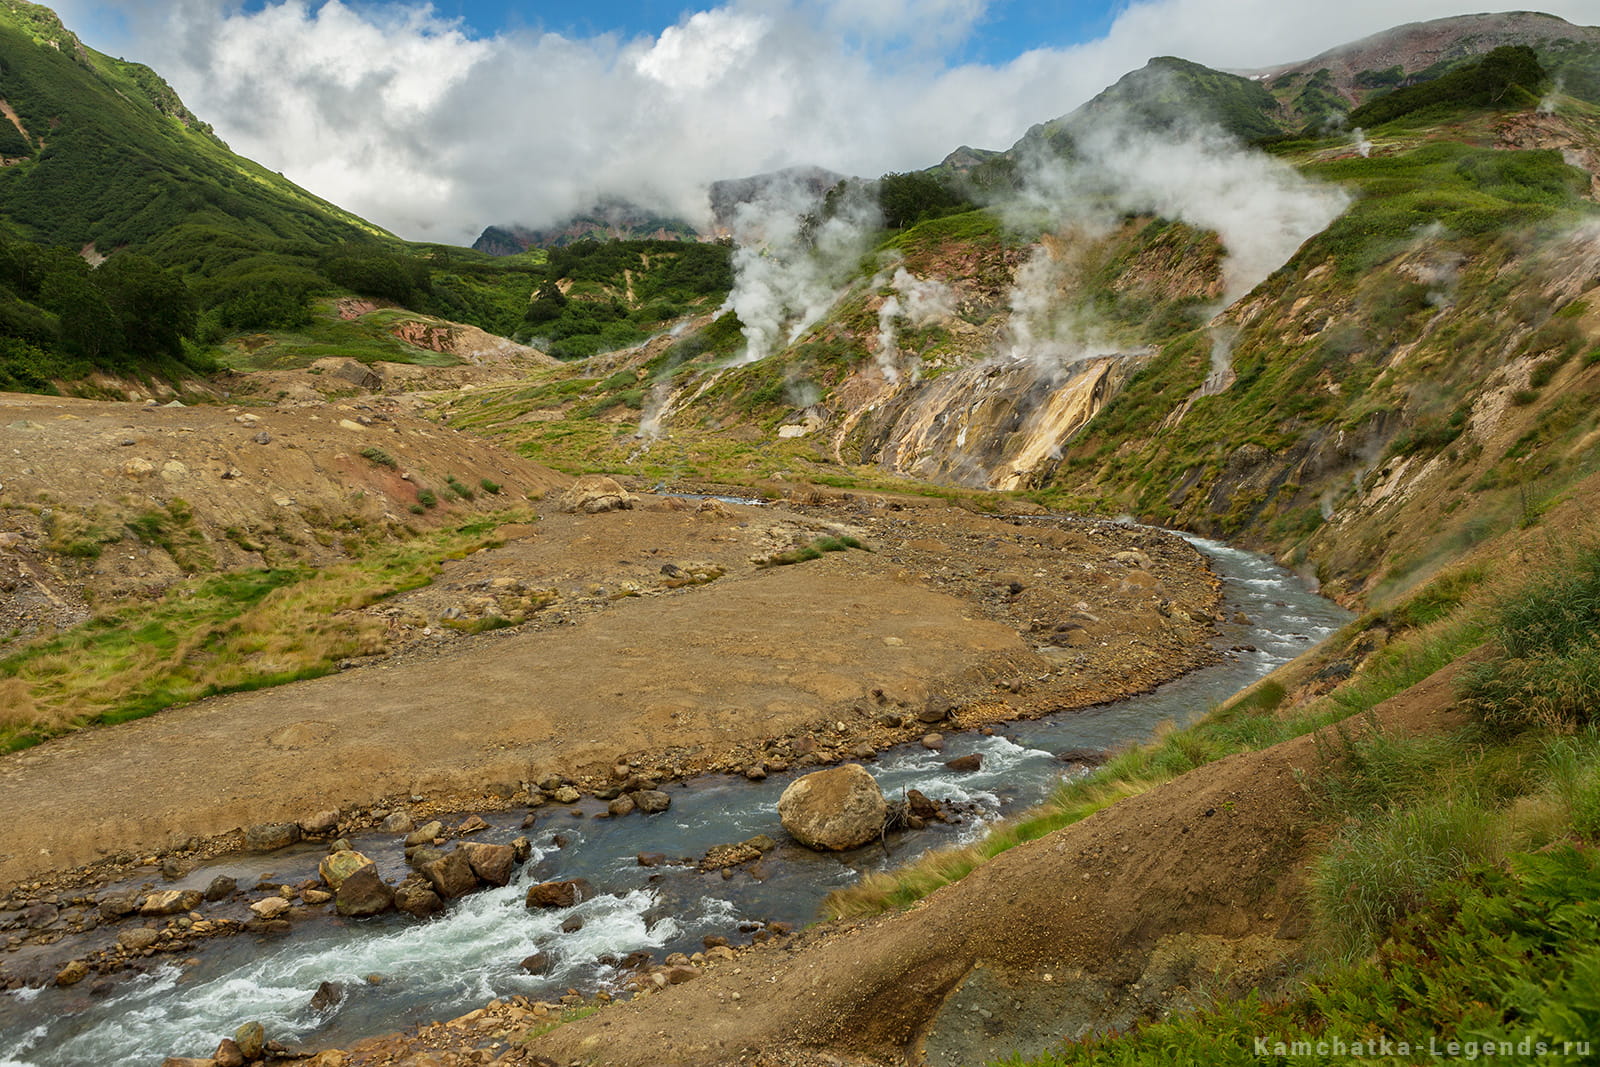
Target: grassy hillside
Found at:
103, 157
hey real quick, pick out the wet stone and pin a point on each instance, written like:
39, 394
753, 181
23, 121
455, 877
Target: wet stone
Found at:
221, 888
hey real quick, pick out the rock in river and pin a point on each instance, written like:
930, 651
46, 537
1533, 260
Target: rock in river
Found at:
491, 863
337, 866
559, 894
452, 875
832, 810
363, 893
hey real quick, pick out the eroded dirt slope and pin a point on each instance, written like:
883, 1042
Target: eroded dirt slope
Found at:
121, 499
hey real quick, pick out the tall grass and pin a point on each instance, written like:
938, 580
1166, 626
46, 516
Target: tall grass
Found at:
1455, 899
1546, 669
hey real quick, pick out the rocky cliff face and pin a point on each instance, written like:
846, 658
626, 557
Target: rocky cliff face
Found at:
997, 425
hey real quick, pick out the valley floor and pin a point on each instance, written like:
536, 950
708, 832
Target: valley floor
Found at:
993, 618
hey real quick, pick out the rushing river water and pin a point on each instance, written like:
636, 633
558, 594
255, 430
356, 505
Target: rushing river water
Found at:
471, 953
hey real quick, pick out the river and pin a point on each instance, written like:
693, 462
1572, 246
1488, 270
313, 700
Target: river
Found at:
396, 972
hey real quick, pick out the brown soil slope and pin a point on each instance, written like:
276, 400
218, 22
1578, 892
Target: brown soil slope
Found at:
235, 486
1095, 925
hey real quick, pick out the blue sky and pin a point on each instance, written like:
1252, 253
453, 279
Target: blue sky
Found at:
1006, 29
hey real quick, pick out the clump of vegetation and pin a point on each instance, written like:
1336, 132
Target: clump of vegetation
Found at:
1545, 671
815, 550
1508, 76
1453, 899
379, 457
598, 296
1499, 960
461, 489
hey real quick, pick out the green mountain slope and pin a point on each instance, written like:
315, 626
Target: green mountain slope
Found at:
102, 158
113, 158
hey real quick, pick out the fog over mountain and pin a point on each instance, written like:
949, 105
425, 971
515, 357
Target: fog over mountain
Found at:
402, 115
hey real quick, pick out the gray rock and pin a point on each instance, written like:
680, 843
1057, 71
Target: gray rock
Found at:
595, 493
39, 916
651, 801
221, 888
426, 834
397, 823
138, 939
833, 810
322, 824
937, 709
119, 905
271, 836
422, 855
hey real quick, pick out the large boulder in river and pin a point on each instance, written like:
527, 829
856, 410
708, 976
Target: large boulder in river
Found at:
363, 893
337, 866
415, 897
594, 493
835, 809
451, 874
559, 894
491, 863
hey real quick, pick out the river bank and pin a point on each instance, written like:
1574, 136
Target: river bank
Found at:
661, 910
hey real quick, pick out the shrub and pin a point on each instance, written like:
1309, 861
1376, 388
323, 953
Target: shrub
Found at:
1386, 869
379, 457
1547, 668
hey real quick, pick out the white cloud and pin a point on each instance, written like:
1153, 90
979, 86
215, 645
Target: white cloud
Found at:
399, 115
710, 47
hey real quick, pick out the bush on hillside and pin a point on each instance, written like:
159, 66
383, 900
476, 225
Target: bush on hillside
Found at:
1546, 670
1488, 82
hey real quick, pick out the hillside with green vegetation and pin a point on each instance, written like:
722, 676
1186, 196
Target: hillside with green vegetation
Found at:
104, 158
